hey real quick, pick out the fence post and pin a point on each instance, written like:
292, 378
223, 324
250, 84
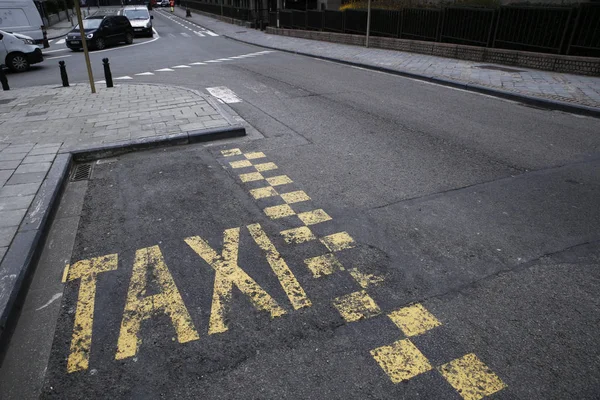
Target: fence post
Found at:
491, 29
368, 23
496, 29
575, 26
440, 25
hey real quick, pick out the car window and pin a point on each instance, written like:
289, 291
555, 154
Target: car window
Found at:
136, 14
108, 22
90, 23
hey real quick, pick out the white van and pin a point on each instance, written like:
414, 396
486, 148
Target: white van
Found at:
17, 53
22, 16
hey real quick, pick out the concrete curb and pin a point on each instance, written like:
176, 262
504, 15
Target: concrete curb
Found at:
20, 260
472, 87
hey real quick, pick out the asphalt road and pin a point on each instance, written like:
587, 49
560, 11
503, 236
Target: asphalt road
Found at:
407, 241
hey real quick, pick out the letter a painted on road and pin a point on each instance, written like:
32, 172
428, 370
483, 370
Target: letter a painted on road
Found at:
139, 308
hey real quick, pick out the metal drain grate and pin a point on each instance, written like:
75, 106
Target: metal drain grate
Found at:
82, 172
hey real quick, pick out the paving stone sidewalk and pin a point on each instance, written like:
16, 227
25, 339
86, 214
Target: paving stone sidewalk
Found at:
583, 90
37, 123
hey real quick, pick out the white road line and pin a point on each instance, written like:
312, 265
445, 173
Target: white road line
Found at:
224, 59
53, 58
199, 34
212, 61
211, 33
198, 63
123, 77
184, 34
61, 41
164, 70
145, 74
224, 93
157, 36
181, 66
100, 82
54, 51
171, 35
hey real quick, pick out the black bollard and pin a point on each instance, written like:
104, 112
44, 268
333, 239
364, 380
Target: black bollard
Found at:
63, 74
107, 74
188, 13
3, 78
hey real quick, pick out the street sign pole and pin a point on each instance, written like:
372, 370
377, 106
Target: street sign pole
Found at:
368, 23
86, 53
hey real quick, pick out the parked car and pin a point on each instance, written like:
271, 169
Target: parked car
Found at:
140, 19
101, 31
165, 3
18, 53
22, 16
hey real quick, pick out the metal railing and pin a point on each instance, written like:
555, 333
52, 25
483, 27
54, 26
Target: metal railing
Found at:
585, 38
573, 30
532, 28
333, 21
298, 19
471, 26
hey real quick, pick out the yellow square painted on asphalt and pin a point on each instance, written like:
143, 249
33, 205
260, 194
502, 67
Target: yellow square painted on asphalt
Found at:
314, 217
251, 177
356, 306
295, 197
298, 235
279, 180
326, 264
255, 155
231, 152
471, 377
240, 164
414, 320
265, 166
401, 361
365, 280
338, 241
279, 211
263, 192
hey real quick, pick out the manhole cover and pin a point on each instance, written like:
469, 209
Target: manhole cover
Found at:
498, 68
6, 101
82, 172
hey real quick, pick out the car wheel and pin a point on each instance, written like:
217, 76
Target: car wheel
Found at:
128, 38
100, 43
17, 62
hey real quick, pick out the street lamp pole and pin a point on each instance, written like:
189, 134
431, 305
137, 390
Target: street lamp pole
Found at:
368, 23
86, 53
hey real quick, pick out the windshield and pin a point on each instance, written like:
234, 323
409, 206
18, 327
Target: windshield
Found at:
136, 14
90, 23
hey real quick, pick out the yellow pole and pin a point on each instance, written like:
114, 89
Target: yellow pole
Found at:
86, 53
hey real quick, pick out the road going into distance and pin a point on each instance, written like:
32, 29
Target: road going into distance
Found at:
374, 237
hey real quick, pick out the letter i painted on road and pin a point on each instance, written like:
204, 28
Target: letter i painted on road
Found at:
87, 271
140, 307
228, 274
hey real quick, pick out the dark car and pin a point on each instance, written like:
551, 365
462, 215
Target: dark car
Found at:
101, 31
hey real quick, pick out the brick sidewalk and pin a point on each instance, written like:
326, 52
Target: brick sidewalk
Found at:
576, 89
37, 123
